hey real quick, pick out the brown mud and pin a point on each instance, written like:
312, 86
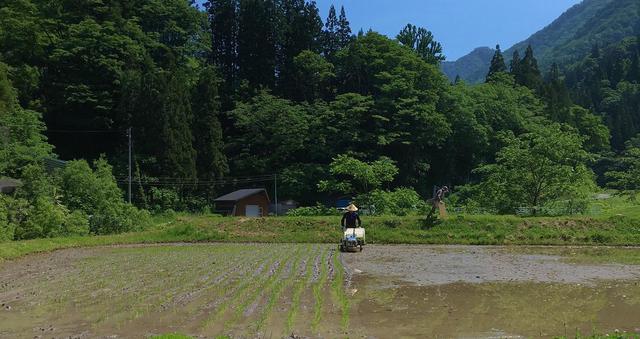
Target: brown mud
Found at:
274, 291
492, 292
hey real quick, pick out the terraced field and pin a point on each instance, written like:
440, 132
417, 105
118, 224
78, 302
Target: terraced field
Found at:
206, 290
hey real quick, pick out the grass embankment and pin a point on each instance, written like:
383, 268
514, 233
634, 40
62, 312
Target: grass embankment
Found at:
614, 230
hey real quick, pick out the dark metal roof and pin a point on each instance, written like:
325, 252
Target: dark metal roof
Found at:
52, 164
241, 194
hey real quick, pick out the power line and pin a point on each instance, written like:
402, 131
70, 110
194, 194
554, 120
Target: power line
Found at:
174, 179
196, 182
83, 131
6, 125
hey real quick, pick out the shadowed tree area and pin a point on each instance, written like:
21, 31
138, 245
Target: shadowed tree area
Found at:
246, 88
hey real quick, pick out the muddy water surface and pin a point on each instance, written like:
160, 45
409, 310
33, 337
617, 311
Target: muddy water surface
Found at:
493, 292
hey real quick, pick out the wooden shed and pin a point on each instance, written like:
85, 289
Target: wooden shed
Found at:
8, 185
244, 203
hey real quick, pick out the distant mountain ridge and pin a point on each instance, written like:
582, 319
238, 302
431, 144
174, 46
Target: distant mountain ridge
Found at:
471, 67
567, 39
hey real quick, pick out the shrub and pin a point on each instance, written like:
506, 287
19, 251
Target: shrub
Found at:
96, 194
7, 228
318, 210
77, 223
162, 199
402, 201
528, 173
46, 218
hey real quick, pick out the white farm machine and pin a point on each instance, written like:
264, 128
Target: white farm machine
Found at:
353, 240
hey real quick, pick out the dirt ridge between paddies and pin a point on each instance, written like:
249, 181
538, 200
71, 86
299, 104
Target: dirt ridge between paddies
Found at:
457, 230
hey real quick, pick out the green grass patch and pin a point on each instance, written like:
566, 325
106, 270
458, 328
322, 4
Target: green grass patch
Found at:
613, 229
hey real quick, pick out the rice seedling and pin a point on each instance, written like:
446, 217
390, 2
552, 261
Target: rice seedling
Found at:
338, 291
299, 288
237, 293
277, 291
263, 285
317, 291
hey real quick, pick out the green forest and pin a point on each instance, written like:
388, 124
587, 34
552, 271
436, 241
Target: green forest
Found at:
261, 88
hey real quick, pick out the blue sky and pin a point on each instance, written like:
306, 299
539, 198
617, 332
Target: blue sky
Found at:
460, 25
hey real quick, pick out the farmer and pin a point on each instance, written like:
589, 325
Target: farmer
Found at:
351, 218
440, 193
437, 202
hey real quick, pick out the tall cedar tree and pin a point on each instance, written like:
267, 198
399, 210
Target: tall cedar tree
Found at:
344, 29
176, 153
556, 95
497, 64
223, 25
422, 42
514, 66
529, 75
300, 27
633, 75
331, 38
256, 43
160, 108
211, 161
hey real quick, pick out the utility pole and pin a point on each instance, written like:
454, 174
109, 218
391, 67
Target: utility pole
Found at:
275, 188
130, 177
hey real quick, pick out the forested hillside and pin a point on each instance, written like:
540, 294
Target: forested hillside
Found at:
607, 81
566, 40
472, 67
572, 35
249, 88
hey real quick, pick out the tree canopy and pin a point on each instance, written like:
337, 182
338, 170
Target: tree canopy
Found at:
253, 89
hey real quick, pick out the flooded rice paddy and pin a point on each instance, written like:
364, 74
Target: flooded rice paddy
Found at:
301, 290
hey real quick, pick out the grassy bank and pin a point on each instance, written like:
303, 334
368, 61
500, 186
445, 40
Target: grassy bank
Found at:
616, 230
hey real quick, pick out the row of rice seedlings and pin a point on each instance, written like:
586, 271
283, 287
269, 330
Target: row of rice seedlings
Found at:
317, 291
110, 275
93, 285
194, 282
279, 288
241, 287
216, 264
152, 282
221, 287
223, 284
231, 265
149, 268
142, 271
77, 285
338, 290
263, 285
84, 288
302, 284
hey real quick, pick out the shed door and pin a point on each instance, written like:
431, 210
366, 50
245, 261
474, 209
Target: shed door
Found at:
252, 211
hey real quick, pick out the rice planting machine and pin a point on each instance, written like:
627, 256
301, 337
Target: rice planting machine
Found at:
353, 240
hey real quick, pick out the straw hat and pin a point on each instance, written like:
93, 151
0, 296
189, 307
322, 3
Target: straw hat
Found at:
352, 208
